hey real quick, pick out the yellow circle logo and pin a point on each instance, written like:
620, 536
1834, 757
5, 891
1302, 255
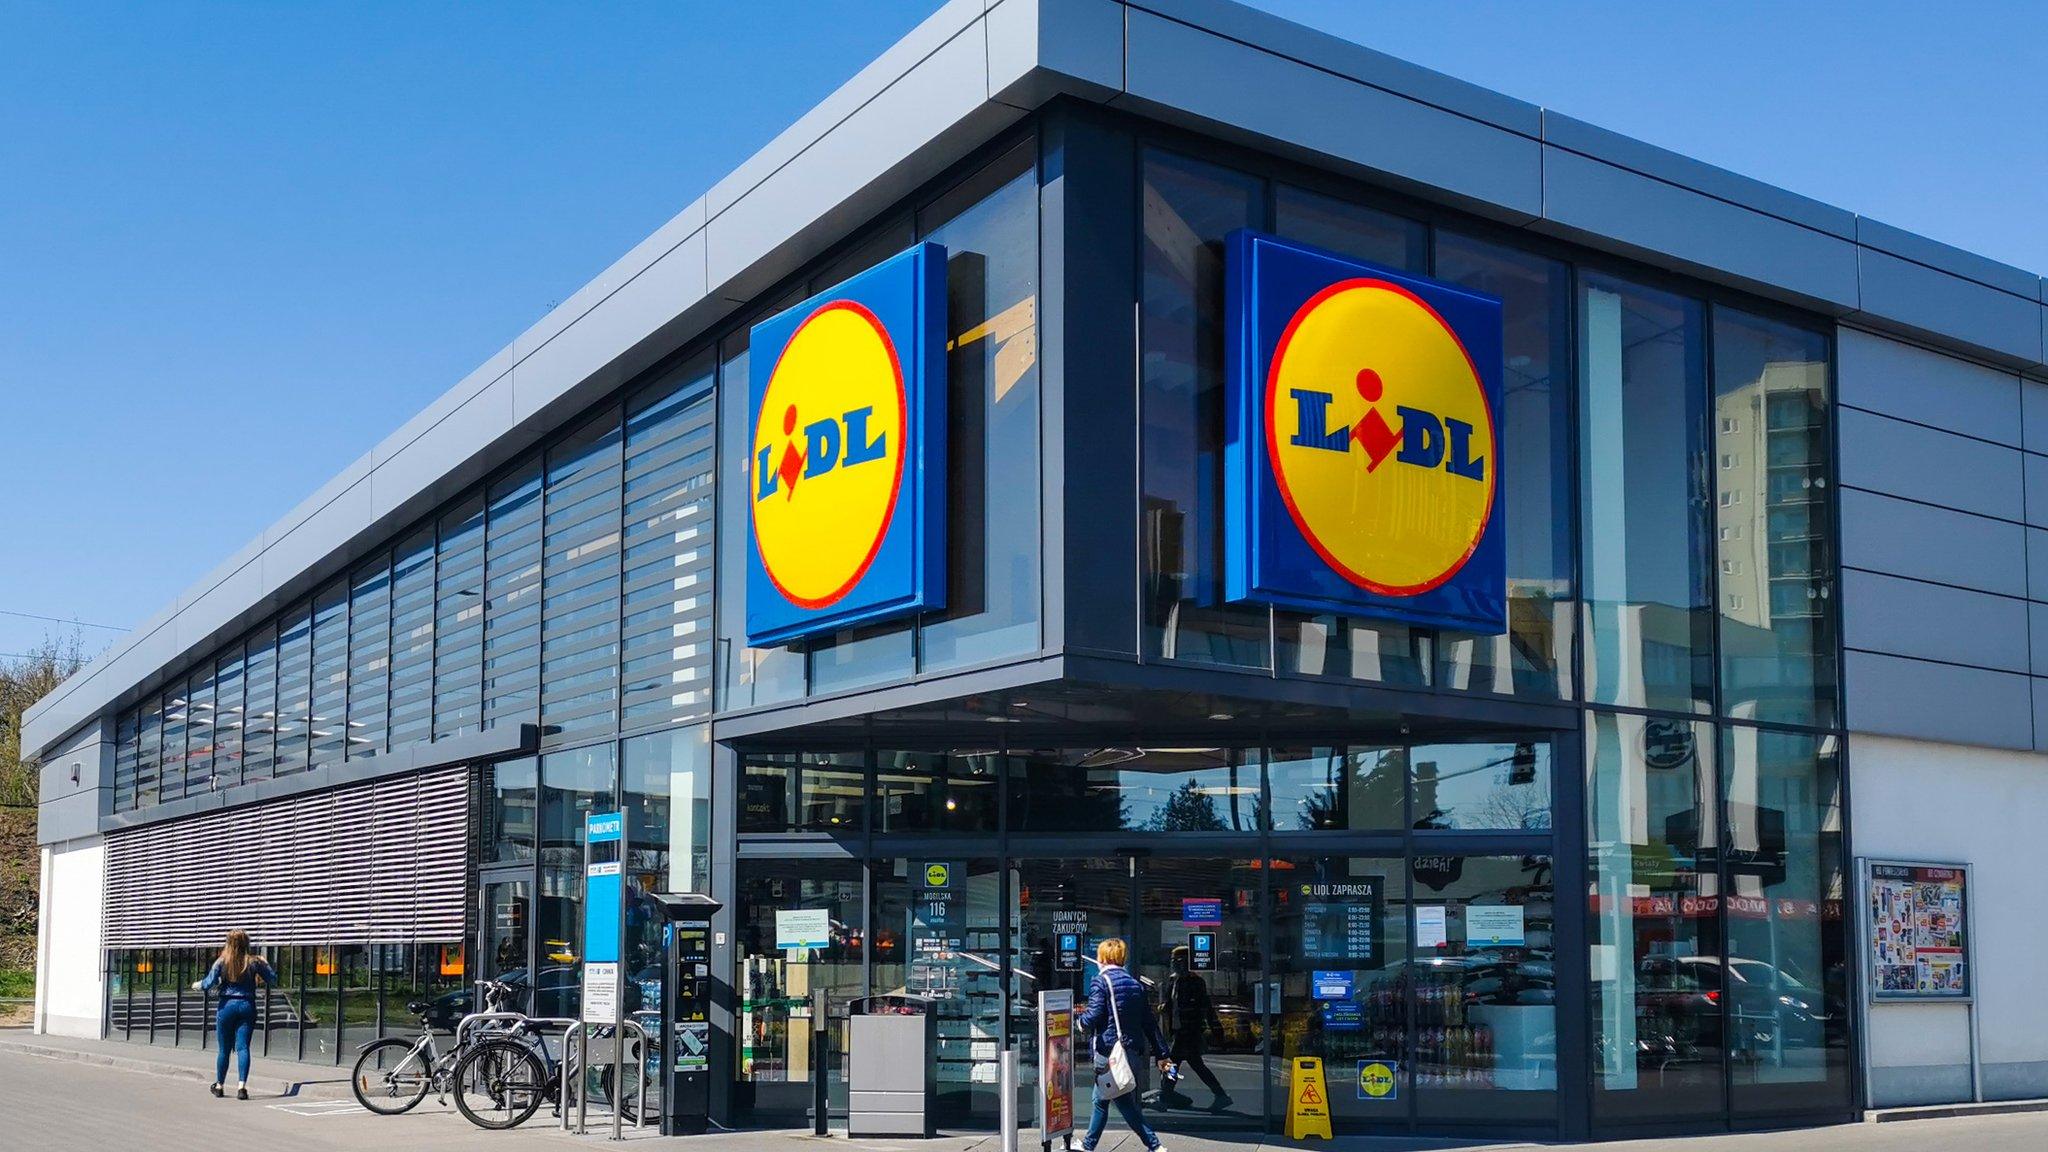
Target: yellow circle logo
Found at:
937, 876
1380, 438
1375, 1080
828, 454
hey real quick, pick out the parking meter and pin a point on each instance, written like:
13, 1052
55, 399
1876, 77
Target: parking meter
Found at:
686, 1012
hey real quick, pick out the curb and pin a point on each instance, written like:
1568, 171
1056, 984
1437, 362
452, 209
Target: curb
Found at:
308, 1089
1955, 1111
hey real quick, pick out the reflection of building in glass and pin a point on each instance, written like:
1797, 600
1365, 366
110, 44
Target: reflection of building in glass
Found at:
1772, 504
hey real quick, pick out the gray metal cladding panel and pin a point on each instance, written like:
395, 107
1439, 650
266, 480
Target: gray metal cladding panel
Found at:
1920, 463
1574, 134
71, 817
1922, 700
1613, 207
1934, 622
1899, 537
2037, 563
1190, 75
2037, 636
379, 862
1933, 253
2036, 470
1913, 383
1949, 307
2040, 714
2034, 414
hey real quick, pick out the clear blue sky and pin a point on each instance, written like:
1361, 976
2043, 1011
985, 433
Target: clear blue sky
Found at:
240, 243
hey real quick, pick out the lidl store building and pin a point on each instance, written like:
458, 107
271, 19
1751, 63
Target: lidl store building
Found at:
1560, 618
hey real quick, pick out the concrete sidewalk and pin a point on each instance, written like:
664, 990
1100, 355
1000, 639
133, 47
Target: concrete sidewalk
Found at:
267, 1076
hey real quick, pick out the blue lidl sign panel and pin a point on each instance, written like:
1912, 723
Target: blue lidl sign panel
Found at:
1362, 471
846, 465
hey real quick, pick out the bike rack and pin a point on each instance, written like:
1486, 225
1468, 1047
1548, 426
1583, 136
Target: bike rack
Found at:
575, 1044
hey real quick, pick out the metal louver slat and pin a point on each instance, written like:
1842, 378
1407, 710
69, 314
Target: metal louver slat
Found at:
383, 861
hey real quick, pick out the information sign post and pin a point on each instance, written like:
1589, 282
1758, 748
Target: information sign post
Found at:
1056, 1067
604, 921
1915, 933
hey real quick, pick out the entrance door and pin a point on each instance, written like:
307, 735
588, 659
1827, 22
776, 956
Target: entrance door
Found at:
1208, 1009
504, 927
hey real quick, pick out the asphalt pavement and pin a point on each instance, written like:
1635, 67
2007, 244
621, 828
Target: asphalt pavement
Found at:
65, 1104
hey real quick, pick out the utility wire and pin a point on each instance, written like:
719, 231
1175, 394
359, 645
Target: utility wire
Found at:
57, 620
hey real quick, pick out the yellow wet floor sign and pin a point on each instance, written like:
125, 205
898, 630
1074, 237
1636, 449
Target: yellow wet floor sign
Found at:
1308, 1101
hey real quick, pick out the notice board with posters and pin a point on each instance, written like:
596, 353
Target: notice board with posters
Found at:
1917, 928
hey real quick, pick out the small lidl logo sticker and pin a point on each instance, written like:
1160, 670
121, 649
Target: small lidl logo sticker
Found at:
846, 461
937, 876
1377, 1080
1364, 467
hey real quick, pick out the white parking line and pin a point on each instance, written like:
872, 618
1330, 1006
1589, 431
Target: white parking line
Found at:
318, 1107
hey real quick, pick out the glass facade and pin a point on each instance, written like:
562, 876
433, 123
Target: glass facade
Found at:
1657, 726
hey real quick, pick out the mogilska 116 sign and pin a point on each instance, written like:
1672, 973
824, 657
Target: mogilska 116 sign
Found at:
1362, 473
847, 469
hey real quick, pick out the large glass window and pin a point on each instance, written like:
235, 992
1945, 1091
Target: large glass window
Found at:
989, 226
227, 718
327, 720
199, 731
1355, 788
809, 792
294, 688
1189, 207
1653, 916
938, 932
579, 653
1481, 786
1137, 789
937, 791
668, 806
171, 784
412, 639
127, 747
259, 729
574, 784
775, 984
459, 618
1649, 634
1484, 992
1350, 229
1774, 520
665, 648
512, 547
1534, 656
749, 676
369, 659
1787, 981
1341, 966
509, 818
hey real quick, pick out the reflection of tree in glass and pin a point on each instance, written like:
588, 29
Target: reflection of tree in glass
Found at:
1189, 809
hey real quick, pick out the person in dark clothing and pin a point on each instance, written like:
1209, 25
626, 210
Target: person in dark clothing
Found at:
1140, 1031
1190, 1018
235, 972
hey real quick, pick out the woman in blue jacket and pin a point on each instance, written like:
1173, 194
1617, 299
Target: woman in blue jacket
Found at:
235, 972
1140, 1031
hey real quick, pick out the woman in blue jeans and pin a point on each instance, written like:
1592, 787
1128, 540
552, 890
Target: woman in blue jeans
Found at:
1140, 1031
235, 972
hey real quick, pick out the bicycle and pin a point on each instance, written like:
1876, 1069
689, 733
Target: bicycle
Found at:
420, 1066
505, 1078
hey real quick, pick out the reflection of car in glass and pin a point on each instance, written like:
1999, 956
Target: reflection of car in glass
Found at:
1680, 1000
557, 982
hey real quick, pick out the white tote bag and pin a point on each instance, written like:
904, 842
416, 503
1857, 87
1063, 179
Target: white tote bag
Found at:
1117, 1079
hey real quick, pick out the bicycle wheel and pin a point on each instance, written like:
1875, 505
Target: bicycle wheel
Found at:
499, 1084
392, 1075
628, 1104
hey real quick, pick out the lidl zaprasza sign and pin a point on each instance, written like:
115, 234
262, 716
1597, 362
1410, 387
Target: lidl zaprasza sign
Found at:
846, 400
1363, 468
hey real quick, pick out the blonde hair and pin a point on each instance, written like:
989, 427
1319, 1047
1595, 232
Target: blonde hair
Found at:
235, 956
1112, 951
